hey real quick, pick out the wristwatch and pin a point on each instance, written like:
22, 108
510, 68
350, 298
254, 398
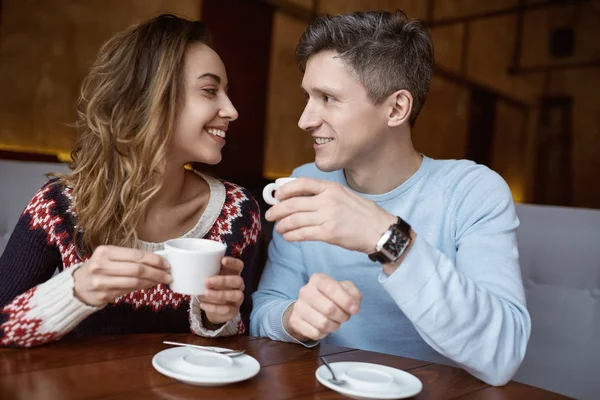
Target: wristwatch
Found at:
393, 243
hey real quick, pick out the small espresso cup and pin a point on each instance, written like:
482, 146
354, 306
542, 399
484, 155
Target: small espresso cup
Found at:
271, 187
192, 261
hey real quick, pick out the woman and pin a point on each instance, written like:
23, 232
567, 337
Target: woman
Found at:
154, 101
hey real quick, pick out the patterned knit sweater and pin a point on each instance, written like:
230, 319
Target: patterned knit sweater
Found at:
37, 303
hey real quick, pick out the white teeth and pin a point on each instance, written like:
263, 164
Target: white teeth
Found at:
320, 140
216, 132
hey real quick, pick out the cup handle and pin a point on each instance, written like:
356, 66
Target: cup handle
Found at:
268, 194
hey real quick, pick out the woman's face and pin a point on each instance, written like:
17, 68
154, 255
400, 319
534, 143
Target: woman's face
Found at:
204, 109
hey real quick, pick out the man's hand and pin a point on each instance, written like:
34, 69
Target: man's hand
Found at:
311, 209
323, 305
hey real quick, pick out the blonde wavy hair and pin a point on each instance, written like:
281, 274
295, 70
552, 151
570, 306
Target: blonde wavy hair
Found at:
126, 113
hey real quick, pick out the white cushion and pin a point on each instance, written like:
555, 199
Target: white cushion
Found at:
560, 261
19, 181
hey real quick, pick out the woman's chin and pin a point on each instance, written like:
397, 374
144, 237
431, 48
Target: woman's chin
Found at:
212, 161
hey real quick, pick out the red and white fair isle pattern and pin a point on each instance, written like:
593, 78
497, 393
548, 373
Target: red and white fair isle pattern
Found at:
41, 218
159, 296
25, 329
22, 330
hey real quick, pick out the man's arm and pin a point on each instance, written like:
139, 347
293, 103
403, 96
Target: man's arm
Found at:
472, 310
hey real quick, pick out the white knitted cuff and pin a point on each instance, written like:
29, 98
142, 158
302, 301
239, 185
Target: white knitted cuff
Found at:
234, 326
46, 312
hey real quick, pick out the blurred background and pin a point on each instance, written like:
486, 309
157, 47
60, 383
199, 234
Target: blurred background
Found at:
516, 86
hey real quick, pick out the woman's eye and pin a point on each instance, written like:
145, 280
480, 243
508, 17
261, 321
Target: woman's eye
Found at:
211, 91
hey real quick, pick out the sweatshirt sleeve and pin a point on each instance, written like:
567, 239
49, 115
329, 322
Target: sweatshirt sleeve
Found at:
471, 309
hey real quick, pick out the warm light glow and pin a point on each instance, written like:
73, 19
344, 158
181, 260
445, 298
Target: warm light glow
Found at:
516, 187
275, 175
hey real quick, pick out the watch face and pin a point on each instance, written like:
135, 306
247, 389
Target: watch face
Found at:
397, 243
393, 243
384, 239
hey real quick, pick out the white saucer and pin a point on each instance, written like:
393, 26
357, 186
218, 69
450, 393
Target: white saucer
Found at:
370, 381
185, 364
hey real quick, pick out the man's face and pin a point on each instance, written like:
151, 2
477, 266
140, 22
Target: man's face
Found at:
346, 126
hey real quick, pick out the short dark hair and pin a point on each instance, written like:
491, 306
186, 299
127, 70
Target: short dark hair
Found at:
386, 50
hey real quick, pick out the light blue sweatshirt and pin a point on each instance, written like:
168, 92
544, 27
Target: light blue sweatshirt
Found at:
457, 298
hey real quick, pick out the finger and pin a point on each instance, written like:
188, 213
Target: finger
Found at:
219, 309
135, 270
221, 282
315, 318
301, 187
298, 220
223, 297
291, 206
336, 293
121, 284
321, 304
352, 290
329, 310
231, 266
116, 253
305, 329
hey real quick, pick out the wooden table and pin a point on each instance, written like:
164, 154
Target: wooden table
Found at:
120, 367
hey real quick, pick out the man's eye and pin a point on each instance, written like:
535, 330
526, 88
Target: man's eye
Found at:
327, 99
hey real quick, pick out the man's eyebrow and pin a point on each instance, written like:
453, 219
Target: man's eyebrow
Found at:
319, 89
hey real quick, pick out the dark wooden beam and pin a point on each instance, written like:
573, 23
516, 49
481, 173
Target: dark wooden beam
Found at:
27, 156
243, 41
541, 69
482, 121
464, 51
293, 10
460, 80
505, 11
516, 61
430, 8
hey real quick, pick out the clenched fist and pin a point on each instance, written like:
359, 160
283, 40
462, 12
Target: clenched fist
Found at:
323, 305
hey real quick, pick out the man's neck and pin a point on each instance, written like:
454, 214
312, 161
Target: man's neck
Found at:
393, 165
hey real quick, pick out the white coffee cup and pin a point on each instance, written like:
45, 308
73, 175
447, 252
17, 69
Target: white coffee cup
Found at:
192, 261
271, 187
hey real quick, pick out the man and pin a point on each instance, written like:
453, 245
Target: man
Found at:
376, 246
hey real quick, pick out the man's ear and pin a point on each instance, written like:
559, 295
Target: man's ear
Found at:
400, 107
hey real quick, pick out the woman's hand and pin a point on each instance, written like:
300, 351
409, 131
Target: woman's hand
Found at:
114, 271
224, 293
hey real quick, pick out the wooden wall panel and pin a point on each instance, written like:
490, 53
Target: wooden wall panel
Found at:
448, 46
45, 48
415, 9
538, 24
441, 129
509, 149
491, 43
307, 4
460, 8
286, 145
584, 86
